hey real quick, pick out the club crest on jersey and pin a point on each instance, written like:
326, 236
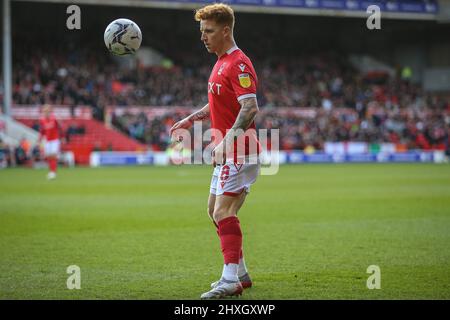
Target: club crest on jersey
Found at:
221, 68
242, 67
244, 80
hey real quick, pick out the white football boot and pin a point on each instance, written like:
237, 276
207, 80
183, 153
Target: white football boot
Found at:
51, 175
245, 281
223, 289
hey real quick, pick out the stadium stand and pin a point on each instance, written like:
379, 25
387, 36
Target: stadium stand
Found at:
82, 136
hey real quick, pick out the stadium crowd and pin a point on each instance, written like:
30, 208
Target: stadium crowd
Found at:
22, 154
321, 80
348, 105
408, 128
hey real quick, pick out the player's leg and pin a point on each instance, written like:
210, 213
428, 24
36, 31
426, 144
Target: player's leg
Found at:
230, 184
243, 275
225, 210
52, 150
48, 149
211, 204
53, 163
51, 160
212, 201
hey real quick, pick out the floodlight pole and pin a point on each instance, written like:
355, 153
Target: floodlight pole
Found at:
7, 63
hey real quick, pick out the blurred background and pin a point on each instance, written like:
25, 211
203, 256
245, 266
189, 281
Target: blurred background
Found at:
336, 90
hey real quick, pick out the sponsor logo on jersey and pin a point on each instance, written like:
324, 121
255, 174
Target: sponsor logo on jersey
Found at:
214, 88
242, 67
244, 80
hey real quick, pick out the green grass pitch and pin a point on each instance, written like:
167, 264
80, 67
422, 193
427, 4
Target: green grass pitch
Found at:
311, 231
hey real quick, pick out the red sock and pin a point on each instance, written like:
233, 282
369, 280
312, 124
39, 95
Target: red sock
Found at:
52, 164
241, 253
230, 239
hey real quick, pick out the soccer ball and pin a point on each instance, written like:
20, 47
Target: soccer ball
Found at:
123, 37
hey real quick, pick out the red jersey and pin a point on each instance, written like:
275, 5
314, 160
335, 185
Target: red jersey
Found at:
49, 128
232, 79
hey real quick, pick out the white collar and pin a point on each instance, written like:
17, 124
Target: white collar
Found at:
232, 49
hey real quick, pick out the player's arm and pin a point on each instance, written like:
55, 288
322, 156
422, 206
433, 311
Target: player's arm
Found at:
200, 115
187, 122
249, 109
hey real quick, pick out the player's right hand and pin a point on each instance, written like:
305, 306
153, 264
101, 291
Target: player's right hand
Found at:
182, 124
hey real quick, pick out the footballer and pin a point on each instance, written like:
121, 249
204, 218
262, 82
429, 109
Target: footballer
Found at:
232, 107
49, 129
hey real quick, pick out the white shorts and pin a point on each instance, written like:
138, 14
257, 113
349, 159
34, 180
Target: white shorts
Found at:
51, 148
232, 179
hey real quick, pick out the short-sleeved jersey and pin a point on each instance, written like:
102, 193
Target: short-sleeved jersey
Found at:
232, 79
49, 128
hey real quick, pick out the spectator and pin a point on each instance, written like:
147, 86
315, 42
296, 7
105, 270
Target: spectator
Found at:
25, 145
20, 155
3, 154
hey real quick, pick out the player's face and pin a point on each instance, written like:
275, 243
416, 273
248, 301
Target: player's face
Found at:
212, 35
47, 111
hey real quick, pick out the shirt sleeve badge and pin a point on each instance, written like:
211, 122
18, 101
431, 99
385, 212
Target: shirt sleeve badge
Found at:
244, 80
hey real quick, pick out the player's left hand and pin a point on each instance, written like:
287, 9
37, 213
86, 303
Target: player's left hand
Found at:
186, 123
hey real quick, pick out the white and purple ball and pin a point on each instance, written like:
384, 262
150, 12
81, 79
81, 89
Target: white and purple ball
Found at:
123, 37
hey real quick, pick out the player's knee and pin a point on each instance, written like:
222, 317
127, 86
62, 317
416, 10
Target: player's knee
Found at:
217, 214
220, 214
211, 212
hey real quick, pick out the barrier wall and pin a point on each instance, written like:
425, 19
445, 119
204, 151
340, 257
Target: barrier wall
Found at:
99, 159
